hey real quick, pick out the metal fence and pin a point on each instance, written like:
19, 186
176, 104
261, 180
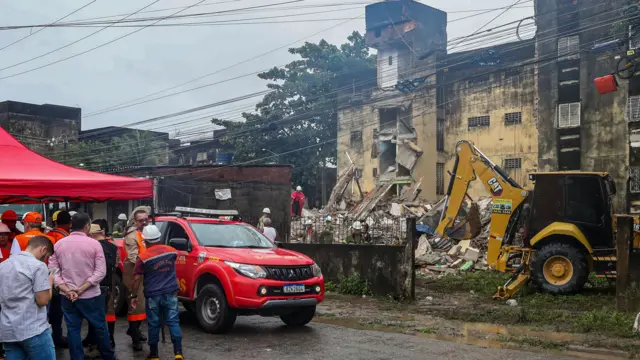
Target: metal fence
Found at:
382, 230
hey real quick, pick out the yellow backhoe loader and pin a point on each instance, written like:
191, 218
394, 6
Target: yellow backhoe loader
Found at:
553, 235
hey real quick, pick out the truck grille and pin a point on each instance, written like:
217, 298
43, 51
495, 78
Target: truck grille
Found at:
292, 273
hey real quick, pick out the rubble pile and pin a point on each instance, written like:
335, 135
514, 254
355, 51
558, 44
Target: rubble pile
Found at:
466, 246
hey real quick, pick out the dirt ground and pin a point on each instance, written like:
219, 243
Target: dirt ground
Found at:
460, 308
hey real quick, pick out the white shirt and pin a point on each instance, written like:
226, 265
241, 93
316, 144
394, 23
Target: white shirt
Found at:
15, 248
270, 233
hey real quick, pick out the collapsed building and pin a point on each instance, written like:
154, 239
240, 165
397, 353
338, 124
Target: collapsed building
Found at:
529, 105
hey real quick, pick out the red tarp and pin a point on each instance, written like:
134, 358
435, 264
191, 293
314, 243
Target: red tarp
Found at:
25, 174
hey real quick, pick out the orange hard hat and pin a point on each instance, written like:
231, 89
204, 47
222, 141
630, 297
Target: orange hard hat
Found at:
9, 215
32, 217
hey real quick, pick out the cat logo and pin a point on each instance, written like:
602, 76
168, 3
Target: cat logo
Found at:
496, 188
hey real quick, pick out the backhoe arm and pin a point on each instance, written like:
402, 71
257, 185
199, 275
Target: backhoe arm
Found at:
507, 195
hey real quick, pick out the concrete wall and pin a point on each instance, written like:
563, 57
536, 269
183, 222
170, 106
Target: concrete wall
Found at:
389, 269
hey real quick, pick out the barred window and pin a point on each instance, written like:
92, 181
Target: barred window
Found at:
356, 139
513, 118
440, 135
478, 122
634, 177
568, 115
569, 47
633, 108
439, 179
514, 163
514, 71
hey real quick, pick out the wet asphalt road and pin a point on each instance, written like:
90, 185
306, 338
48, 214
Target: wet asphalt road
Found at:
267, 338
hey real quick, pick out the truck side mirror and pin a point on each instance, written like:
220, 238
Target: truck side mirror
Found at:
279, 244
179, 244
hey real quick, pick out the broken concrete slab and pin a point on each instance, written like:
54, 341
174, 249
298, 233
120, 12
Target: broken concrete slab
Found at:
396, 209
344, 179
471, 254
407, 154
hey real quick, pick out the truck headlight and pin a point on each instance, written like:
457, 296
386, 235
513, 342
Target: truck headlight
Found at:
316, 270
252, 271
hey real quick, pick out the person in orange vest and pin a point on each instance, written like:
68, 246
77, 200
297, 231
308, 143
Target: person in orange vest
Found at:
32, 222
62, 222
134, 246
10, 218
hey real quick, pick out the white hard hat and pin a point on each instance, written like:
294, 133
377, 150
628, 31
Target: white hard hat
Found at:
357, 225
151, 234
266, 211
122, 217
328, 218
4, 228
298, 188
308, 222
72, 213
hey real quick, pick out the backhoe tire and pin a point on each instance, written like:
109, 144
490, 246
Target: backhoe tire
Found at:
559, 268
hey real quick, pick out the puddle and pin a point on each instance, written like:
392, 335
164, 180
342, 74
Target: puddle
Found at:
488, 335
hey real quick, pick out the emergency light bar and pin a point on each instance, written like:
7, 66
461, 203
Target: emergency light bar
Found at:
183, 209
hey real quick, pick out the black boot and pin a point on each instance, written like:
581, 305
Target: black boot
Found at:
112, 329
134, 332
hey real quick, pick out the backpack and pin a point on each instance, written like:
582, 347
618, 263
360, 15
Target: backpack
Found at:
111, 259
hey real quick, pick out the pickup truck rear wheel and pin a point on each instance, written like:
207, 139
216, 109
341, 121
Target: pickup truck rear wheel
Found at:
299, 317
212, 310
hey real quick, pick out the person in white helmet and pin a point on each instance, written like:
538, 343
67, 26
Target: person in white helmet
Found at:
157, 265
297, 201
118, 228
326, 236
356, 234
266, 214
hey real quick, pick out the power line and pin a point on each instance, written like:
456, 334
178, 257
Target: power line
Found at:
44, 27
116, 39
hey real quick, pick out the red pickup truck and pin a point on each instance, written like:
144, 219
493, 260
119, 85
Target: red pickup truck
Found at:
227, 268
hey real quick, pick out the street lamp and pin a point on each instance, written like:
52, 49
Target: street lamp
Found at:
274, 155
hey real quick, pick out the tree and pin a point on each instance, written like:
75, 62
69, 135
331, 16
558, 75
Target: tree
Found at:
298, 118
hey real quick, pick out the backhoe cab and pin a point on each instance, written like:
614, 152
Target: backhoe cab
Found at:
554, 235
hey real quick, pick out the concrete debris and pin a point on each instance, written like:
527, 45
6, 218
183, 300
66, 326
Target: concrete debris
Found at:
472, 254
512, 302
407, 154
343, 181
396, 209
429, 298
636, 326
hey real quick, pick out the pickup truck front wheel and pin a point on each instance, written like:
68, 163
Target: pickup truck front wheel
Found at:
212, 310
299, 317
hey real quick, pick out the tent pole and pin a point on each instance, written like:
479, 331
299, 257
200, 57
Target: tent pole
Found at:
154, 204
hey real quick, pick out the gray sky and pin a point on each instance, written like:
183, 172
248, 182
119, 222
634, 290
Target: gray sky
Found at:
161, 57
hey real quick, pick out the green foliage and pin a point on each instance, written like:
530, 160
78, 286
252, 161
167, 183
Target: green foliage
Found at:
137, 148
354, 285
330, 286
301, 111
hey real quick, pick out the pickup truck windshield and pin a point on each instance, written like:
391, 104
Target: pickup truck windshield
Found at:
232, 236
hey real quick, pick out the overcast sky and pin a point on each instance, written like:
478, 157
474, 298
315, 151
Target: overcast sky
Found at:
158, 58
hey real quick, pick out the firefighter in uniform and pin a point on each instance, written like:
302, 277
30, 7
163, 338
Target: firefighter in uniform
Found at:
62, 225
10, 218
134, 246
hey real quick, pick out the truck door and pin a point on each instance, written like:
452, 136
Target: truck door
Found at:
186, 260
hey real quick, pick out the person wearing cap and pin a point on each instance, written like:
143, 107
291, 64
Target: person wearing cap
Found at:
5, 245
32, 227
10, 218
62, 225
297, 201
157, 265
80, 264
268, 230
266, 214
98, 232
356, 234
134, 245
119, 227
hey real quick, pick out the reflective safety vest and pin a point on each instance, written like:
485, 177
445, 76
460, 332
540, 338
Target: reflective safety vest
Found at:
23, 239
141, 246
57, 234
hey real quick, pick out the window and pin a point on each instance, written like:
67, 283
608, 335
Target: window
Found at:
634, 176
440, 135
514, 163
390, 60
633, 108
515, 71
584, 202
375, 172
478, 122
569, 47
439, 179
175, 231
568, 115
513, 118
230, 236
356, 140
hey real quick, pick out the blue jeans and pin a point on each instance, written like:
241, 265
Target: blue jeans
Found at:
163, 309
92, 310
39, 347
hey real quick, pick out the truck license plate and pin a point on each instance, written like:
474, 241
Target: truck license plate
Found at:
293, 289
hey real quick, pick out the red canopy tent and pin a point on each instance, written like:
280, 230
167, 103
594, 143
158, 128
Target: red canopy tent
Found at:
26, 177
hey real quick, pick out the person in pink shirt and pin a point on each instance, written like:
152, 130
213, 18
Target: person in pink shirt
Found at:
80, 265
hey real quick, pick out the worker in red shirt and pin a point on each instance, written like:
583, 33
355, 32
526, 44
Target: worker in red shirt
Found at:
5, 244
10, 218
297, 201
